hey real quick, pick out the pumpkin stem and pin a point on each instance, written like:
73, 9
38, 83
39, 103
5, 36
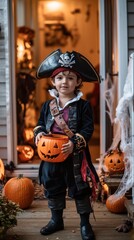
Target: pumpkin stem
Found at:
20, 176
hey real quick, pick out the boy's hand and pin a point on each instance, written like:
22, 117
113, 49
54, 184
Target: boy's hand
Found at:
67, 148
39, 135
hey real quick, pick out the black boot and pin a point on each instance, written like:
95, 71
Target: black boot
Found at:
52, 227
84, 209
87, 232
56, 222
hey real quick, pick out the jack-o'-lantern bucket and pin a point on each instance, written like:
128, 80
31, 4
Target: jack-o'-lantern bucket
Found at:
114, 161
49, 148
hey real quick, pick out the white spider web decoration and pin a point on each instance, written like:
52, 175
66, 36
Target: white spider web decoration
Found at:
123, 120
109, 97
123, 132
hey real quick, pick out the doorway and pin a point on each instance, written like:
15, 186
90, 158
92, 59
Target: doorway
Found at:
42, 27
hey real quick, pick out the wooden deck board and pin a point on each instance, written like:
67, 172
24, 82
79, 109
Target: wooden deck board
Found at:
38, 215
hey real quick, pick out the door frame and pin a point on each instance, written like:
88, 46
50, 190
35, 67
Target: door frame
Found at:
122, 44
30, 170
122, 60
103, 76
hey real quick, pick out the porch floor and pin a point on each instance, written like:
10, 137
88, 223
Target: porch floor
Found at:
38, 215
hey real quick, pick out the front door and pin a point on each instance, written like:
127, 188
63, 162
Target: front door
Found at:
38, 30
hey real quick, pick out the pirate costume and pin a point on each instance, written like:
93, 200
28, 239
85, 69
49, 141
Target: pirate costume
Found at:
70, 176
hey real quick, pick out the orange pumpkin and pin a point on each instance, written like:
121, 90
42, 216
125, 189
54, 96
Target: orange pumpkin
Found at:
20, 190
25, 153
49, 148
2, 170
113, 161
116, 204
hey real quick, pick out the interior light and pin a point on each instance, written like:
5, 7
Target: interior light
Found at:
53, 5
20, 50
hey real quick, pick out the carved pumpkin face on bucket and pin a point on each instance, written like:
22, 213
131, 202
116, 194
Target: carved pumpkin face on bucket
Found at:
49, 148
113, 161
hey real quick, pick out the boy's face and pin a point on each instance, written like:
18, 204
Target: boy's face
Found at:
66, 82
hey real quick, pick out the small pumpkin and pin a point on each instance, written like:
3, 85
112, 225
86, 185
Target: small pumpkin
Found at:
20, 190
49, 148
25, 152
113, 161
2, 170
116, 204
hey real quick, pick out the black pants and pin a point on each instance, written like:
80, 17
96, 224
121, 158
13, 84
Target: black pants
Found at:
58, 180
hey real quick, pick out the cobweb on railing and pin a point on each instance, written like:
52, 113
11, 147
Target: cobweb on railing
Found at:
123, 132
123, 120
110, 97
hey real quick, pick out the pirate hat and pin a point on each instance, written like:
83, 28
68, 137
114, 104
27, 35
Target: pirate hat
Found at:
70, 60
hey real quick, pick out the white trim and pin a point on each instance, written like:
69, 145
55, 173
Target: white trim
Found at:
25, 172
11, 89
29, 170
8, 87
122, 44
103, 75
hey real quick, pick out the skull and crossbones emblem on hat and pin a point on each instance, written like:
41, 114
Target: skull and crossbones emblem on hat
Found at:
67, 60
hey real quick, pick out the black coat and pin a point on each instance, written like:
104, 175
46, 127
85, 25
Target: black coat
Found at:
80, 121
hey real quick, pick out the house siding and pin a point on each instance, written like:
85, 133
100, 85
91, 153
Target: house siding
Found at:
130, 16
3, 111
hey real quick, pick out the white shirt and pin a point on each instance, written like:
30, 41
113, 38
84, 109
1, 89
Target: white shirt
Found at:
54, 93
